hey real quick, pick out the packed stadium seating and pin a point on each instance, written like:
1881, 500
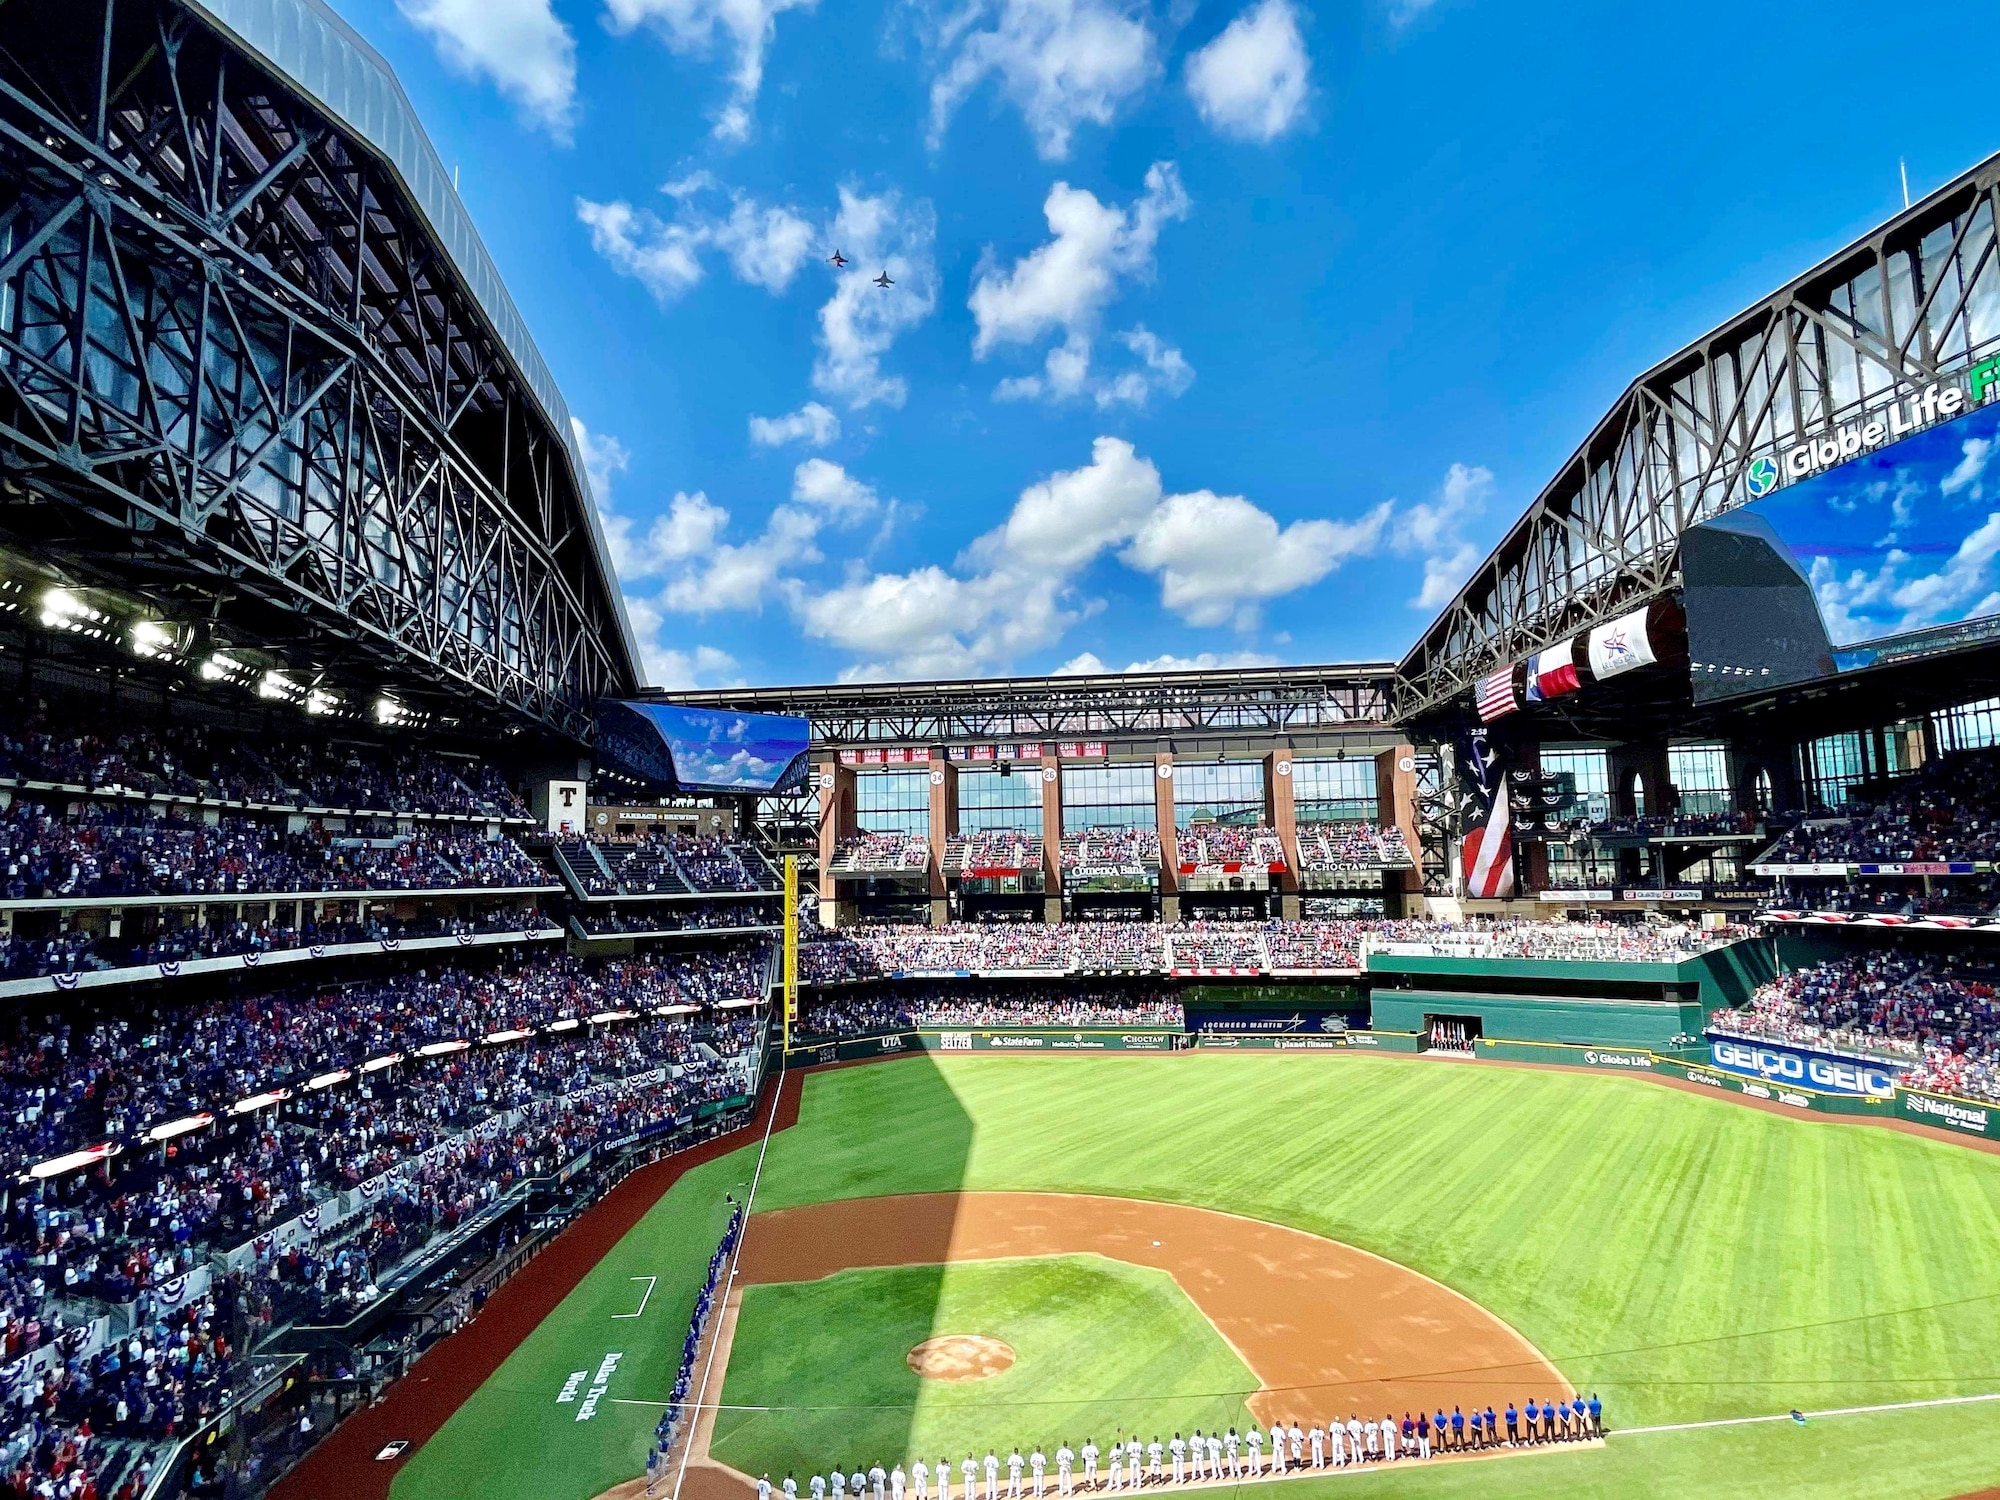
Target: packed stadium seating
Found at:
1227, 844
884, 853
1120, 850
1019, 1005
97, 850
997, 850
100, 749
667, 865
77, 952
480, 1079
1950, 810
1332, 847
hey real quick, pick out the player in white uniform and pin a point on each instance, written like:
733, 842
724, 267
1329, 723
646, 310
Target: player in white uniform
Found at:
1064, 1460
818, 1486
992, 1476
1354, 1435
969, 1476
878, 1477
896, 1482
1037, 1462
1316, 1441
764, 1487
1253, 1444
1372, 1430
920, 1479
1090, 1462
1014, 1462
1115, 1472
857, 1484
1390, 1447
1177, 1456
944, 1478
1153, 1451
839, 1484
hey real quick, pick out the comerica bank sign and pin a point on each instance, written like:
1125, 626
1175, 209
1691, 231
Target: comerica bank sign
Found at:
1936, 403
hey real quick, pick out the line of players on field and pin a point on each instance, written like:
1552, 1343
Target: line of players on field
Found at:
1202, 1458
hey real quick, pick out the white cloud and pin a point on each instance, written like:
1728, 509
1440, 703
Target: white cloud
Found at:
1250, 82
690, 525
1063, 63
1062, 522
812, 424
1064, 286
765, 244
1090, 664
1218, 557
665, 666
519, 44
861, 321
604, 458
1015, 589
717, 575
694, 27
1403, 12
1970, 471
1434, 530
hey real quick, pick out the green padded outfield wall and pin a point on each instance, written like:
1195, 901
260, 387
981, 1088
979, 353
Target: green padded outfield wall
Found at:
1533, 1018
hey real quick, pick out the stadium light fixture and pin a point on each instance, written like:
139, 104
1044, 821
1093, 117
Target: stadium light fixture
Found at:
89, 1156
319, 701
220, 667
275, 685
150, 639
388, 711
174, 1129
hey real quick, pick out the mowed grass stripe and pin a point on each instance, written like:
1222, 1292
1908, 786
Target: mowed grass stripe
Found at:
1666, 1248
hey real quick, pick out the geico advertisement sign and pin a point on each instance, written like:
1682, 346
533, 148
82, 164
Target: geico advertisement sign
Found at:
1830, 1075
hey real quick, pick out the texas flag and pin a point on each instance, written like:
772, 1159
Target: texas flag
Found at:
1552, 673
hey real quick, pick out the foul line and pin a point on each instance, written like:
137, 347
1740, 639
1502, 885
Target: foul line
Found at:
651, 1282
1838, 1411
722, 1298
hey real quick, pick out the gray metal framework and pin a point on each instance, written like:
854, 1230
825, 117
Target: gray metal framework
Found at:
1916, 301
1121, 706
240, 373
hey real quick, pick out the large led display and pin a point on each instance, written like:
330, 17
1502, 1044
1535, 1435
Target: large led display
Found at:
702, 749
1891, 556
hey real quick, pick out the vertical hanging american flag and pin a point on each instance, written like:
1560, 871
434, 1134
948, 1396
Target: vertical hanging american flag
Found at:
1487, 856
1495, 695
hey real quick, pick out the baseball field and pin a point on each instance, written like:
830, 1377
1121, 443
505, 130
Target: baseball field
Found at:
961, 1253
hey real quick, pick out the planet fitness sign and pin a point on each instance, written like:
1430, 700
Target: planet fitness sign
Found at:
1826, 1072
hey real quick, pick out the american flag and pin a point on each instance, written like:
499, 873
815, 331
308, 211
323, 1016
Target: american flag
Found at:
1495, 695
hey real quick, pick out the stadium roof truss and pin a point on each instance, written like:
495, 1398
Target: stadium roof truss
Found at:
243, 367
1916, 301
1114, 706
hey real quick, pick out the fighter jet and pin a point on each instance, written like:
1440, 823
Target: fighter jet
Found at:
883, 280
836, 260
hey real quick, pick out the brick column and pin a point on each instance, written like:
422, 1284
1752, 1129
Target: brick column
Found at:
1396, 806
1281, 812
1052, 828
944, 823
836, 822
1163, 819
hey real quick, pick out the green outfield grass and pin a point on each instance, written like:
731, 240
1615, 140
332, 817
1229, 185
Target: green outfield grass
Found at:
1100, 1346
1689, 1258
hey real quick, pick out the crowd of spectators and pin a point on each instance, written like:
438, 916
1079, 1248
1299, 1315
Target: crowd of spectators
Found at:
76, 951
668, 864
1938, 1017
1956, 895
1230, 844
996, 849
1330, 847
1031, 1004
1111, 851
103, 750
689, 916
1682, 825
1150, 947
885, 853
474, 1080
1949, 810
101, 849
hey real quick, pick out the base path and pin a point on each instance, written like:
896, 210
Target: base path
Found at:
1326, 1328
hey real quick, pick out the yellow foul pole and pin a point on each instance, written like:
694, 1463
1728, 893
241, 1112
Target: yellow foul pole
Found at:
791, 945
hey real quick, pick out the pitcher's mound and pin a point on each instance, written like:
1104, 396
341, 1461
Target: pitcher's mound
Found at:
960, 1357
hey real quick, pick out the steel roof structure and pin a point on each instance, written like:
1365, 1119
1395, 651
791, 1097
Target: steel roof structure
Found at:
1915, 302
257, 368
1203, 707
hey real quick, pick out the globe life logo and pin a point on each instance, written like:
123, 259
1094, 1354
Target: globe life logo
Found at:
1937, 403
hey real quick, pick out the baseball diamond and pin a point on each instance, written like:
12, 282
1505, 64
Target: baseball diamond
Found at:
1227, 1241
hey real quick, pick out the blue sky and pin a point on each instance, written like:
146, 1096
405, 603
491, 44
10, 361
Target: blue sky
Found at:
1222, 331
